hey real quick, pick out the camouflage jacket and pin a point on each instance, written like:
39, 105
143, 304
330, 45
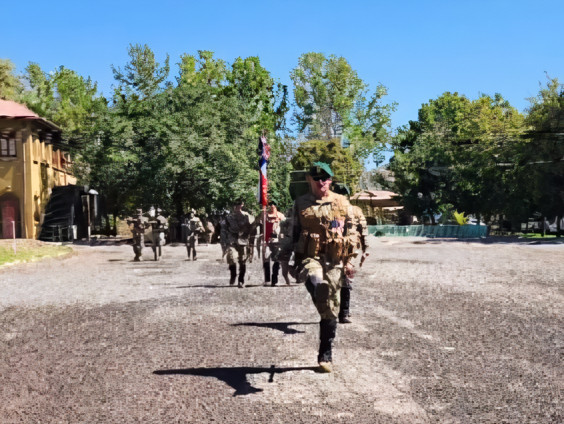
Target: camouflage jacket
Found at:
194, 226
357, 231
319, 228
238, 228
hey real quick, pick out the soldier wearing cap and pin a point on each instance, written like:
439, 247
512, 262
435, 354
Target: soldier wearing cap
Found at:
238, 228
322, 251
137, 226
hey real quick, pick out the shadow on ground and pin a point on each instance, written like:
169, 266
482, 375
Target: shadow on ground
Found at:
235, 377
281, 326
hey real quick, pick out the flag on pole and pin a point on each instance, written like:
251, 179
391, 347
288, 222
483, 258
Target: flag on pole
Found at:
264, 156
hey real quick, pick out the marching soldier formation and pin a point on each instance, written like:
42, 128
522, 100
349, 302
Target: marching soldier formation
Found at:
324, 234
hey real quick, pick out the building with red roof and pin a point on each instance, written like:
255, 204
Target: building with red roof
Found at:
32, 161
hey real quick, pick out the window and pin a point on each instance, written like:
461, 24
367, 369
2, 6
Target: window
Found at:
7, 144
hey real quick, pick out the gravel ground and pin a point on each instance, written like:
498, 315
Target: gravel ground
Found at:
443, 332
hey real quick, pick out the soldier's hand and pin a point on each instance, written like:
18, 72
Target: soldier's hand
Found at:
349, 270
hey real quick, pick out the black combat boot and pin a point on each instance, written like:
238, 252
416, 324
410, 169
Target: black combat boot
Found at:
266, 268
242, 269
327, 332
233, 270
275, 269
344, 311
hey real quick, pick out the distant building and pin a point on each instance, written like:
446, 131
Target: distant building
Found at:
32, 162
378, 206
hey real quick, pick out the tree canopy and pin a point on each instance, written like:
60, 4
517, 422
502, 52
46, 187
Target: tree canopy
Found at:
189, 140
332, 101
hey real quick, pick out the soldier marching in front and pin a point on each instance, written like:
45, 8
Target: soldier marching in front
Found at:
321, 249
238, 228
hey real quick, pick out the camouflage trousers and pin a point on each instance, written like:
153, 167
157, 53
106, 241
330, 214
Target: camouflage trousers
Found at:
237, 254
324, 284
138, 243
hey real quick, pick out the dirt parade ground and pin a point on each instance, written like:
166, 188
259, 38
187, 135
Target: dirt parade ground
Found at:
443, 332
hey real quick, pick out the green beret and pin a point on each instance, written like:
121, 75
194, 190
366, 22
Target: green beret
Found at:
319, 168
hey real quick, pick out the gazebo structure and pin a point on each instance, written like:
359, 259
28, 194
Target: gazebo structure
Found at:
379, 206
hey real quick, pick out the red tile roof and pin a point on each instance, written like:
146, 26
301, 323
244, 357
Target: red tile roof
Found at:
10, 109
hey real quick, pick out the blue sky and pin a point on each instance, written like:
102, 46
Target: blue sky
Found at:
418, 49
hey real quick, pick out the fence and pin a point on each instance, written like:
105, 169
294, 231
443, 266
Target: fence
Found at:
441, 231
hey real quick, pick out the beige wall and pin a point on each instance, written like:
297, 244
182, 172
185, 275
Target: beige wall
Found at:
32, 174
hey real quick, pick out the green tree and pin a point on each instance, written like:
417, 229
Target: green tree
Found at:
203, 69
10, 84
65, 98
142, 76
451, 156
332, 101
346, 169
542, 156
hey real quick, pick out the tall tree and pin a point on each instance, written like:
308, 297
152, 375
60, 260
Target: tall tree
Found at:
10, 84
450, 157
332, 101
142, 76
66, 98
203, 69
542, 157
347, 170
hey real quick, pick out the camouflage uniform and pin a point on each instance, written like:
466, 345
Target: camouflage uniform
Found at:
193, 227
238, 229
137, 226
322, 250
273, 220
284, 251
357, 231
159, 227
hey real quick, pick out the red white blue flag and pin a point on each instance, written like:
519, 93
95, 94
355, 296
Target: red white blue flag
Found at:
264, 152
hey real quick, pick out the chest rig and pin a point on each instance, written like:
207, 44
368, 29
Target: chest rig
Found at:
324, 230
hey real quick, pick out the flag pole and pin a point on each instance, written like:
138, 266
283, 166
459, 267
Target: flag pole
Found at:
264, 151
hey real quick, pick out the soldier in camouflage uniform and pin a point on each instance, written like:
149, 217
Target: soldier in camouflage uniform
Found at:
281, 248
138, 225
238, 229
159, 226
321, 249
272, 238
193, 227
358, 233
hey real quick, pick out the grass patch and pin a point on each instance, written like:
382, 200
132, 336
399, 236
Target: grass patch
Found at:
27, 252
539, 236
